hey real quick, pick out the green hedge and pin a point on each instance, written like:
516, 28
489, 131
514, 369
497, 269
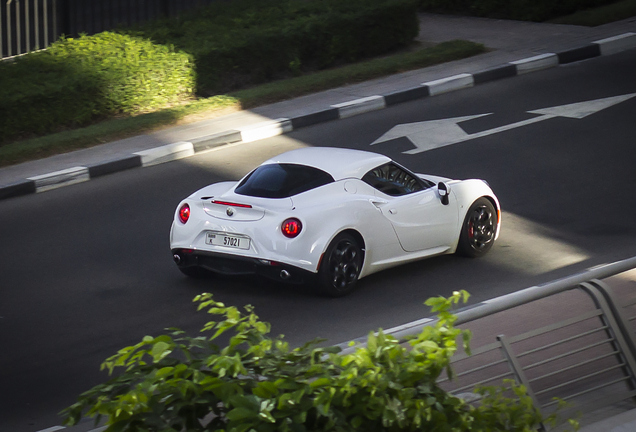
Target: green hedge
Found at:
77, 81
246, 42
526, 10
40, 93
226, 46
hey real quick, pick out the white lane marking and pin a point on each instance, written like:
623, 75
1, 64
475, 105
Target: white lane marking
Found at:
428, 135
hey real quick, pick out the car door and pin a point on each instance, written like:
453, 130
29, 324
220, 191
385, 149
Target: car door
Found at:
421, 221
414, 208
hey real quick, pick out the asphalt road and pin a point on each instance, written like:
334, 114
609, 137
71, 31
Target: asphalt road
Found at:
86, 269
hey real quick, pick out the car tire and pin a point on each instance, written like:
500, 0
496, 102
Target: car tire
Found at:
478, 229
195, 272
340, 266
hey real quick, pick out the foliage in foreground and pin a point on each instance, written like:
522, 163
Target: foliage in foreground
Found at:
174, 382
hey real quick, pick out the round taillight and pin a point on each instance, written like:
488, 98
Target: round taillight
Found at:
184, 213
291, 227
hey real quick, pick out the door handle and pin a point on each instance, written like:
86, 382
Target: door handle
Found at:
378, 203
392, 211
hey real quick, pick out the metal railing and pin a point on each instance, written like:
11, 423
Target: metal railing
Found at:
29, 25
583, 354
26, 25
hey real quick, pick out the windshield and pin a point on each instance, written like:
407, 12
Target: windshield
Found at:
282, 180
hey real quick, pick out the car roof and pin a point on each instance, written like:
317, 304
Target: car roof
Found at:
340, 163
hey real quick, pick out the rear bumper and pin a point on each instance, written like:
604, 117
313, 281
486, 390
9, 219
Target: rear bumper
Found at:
239, 265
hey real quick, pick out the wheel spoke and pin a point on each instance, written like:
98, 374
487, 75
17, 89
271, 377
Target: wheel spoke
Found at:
344, 265
481, 228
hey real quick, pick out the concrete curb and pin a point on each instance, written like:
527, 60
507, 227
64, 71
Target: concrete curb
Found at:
167, 153
266, 129
343, 110
452, 83
60, 178
532, 64
360, 106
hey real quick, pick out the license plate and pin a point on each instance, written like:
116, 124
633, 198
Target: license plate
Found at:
227, 240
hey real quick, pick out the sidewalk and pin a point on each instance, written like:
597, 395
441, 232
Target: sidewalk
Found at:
623, 422
511, 41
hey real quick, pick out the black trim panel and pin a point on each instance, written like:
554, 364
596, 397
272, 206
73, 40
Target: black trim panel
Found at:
238, 265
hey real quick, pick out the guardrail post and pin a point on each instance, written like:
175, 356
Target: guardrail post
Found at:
615, 331
8, 16
617, 311
1, 37
517, 370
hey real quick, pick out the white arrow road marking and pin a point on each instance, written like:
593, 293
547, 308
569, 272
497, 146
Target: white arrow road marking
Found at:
583, 109
432, 134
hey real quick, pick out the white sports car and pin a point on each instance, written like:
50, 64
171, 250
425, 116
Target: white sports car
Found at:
330, 216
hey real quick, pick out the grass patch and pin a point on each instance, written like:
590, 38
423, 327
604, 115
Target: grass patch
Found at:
357, 72
114, 129
110, 130
600, 15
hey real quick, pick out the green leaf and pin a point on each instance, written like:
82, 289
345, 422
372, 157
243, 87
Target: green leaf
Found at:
372, 342
160, 350
164, 372
265, 389
242, 413
265, 415
320, 382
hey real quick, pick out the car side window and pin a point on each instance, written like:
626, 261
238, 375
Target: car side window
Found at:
393, 180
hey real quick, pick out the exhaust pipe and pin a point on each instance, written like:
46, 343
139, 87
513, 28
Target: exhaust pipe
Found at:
284, 274
177, 258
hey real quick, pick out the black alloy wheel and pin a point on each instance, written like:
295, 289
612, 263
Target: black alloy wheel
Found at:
341, 266
478, 230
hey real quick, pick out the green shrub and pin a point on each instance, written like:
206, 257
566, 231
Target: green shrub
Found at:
526, 10
137, 75
245, 42
79, 80
230, 45
256, 383
40, 92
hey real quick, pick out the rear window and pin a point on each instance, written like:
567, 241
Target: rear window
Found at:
282, 180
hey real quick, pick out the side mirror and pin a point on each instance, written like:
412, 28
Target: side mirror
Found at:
443, 191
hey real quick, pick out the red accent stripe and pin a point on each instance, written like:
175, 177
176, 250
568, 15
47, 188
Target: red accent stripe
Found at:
231, 204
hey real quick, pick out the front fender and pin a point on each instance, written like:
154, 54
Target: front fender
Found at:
468, 191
